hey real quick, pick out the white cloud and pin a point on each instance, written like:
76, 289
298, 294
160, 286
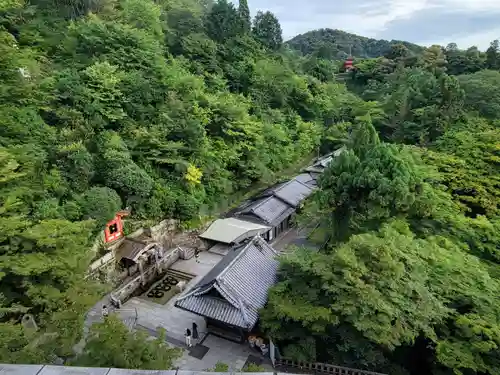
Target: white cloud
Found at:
363, 19
470, 5
375, 17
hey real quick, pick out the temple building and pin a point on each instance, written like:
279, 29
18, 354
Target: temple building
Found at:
320, 164
230, 295
275, 207
232, 231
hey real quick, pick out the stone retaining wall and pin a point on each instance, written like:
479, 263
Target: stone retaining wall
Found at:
123, 293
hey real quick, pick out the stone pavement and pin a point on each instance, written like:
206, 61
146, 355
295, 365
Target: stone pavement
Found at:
220, 350
173, 320
149, 316
292, 237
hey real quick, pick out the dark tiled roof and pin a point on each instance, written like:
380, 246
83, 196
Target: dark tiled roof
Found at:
268, 210
271, 210
321, 163
310, 179
293, 192
236, 288
276, 203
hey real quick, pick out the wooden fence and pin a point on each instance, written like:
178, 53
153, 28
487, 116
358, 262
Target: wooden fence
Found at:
320, 368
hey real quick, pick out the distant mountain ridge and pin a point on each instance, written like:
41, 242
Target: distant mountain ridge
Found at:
330, 43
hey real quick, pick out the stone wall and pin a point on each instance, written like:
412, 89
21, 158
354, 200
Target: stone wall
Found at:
123, 293
163, 231
167, 233
102, 261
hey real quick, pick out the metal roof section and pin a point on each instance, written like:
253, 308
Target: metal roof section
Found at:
305, 178
232, 230
237, 287
57, 370
276, 203
6, 369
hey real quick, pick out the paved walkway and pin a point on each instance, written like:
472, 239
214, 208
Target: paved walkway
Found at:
148, 316
220, 350
293, 237
152, 315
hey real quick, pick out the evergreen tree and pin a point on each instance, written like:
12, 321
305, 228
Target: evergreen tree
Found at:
493, 56
244, 13
267, 30
223, 22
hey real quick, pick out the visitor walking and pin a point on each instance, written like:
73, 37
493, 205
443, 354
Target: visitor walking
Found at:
195, 332
104, 311
197, 255
188, 338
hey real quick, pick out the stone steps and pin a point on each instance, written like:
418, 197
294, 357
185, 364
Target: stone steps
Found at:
181, 275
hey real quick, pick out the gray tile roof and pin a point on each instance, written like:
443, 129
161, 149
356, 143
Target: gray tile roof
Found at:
267, 210
271, 210
304, 178
276, 203
321, 163
293, 192
236, 288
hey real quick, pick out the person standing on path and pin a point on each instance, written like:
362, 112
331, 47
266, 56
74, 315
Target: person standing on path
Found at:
104, 311
197, 255
188, 338
195, 332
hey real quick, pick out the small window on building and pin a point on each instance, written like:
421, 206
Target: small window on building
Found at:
113, 228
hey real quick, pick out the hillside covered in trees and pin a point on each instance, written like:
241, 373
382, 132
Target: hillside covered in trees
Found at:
408, 278
163, 107
330, 44
169, 106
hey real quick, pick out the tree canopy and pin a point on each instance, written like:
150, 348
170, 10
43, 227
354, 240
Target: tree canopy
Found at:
170, 107
406, 276
166, 108
110, 344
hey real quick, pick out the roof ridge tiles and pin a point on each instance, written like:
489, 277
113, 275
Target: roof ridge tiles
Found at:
220, 276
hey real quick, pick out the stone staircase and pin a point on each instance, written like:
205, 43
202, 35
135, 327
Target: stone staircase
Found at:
180, 275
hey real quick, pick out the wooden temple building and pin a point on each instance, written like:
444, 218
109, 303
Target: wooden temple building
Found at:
231, 294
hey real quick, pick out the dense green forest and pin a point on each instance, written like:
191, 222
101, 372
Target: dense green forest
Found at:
408, 279
331, 44
169, 106
164, 107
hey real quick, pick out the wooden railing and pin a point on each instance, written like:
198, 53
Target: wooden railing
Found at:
321, 368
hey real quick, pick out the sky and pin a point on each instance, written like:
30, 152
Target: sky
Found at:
425, 22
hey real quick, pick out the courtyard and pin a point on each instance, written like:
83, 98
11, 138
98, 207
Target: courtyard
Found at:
148, 313
211, 349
